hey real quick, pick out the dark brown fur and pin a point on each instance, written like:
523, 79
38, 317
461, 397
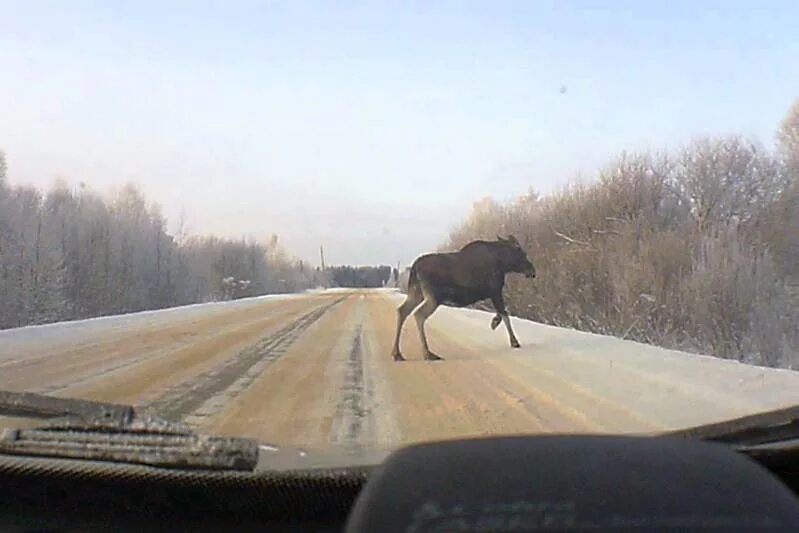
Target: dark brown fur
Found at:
475, 272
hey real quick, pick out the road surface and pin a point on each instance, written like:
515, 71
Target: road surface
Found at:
313, 371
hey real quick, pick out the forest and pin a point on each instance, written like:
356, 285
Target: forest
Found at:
695, 248
70, 253
360, 277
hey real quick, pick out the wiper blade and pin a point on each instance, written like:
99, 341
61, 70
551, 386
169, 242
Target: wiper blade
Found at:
72, 413
779, 426
81, 429
82, 411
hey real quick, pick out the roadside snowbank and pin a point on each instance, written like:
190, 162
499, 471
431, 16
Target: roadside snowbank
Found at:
78, 330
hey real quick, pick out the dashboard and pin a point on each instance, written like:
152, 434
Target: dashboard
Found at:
536, 483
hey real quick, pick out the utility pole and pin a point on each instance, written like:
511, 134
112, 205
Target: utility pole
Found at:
322, 257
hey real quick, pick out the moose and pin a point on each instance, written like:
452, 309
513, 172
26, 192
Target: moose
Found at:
475, 272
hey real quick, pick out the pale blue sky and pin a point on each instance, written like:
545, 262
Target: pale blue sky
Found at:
370, 127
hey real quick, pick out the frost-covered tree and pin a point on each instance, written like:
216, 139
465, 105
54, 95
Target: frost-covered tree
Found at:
70, 253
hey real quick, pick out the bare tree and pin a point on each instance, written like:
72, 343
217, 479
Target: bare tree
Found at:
694, 249
788, 140
71, 254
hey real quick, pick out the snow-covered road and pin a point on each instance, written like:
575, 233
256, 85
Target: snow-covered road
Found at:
314, 371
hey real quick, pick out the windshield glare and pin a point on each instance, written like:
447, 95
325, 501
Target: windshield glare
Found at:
348, 229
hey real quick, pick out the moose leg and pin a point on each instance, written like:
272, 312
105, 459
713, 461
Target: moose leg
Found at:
514, 342
495, 321
412, 300
421, 314
499, 305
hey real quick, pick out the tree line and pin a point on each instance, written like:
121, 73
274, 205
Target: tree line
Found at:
695, 248
360, 277
68, 253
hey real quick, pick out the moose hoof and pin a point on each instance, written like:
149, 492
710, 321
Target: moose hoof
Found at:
430, 356
515, 344
398, 356
495, 321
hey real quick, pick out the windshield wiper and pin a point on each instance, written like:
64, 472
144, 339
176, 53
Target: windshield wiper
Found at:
81, 429
771, 430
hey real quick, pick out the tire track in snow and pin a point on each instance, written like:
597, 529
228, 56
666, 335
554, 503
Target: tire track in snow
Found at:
114, 365
354, 426
204, 395
351, 409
